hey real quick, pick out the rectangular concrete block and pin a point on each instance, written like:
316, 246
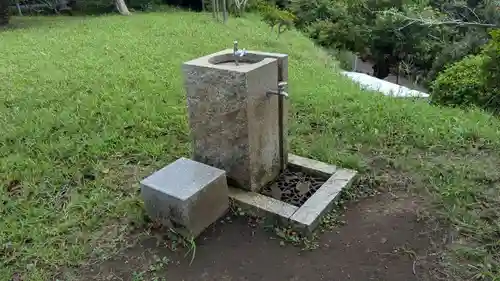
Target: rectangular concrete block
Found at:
186, 195
233, 122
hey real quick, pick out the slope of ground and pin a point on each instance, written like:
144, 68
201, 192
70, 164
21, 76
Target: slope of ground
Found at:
88, 106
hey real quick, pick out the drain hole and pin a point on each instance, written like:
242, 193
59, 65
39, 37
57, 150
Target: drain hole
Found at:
293, 187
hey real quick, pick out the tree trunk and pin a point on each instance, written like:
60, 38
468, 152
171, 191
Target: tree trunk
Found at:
4, 12
121, 6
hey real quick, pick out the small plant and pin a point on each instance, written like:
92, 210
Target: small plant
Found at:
235, 210
330, 221
138, 276
289, 235
274, 17
159, 263
192, 248
188, 243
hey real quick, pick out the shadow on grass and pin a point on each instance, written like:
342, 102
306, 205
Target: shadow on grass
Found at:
27, 22
44, 20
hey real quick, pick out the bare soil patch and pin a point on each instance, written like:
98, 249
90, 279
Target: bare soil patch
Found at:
382, 239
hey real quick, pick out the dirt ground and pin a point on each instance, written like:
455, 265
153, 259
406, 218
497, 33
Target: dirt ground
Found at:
382, 239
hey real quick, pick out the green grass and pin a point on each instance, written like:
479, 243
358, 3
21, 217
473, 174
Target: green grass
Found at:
90, 106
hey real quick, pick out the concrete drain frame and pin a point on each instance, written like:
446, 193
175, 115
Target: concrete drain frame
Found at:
306, 217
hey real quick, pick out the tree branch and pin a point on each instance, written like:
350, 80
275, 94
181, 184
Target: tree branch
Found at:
432, 22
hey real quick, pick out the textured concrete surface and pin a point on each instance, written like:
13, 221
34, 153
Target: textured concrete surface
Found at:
234, 124
260, 205
186, 194
282, 77
308, 215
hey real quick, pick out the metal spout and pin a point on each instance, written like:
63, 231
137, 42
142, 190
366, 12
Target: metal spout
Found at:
280, 91
282, 95
237, 53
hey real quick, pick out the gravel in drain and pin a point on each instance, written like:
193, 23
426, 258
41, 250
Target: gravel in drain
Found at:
293, 187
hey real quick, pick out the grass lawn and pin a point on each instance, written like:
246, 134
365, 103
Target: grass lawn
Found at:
88, 106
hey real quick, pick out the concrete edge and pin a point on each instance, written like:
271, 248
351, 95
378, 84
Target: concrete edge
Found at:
311, 166
307, 216
260, 205
274, 55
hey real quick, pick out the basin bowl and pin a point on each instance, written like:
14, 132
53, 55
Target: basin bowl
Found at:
252, 60
224, 59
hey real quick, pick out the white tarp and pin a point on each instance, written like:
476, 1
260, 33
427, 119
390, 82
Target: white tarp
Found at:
387, 88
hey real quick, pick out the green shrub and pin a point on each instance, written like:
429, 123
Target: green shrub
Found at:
461, 84
321, 32
310, 11
256, 5
470, 45
475, 80
337, 34
282, 4
345, 58
491, 67
274, 17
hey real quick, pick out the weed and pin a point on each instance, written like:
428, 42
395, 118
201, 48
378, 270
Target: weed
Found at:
192, 248
159, 264
289, 235
138, 276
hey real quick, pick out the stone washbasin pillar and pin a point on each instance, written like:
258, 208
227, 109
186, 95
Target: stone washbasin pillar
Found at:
233, 121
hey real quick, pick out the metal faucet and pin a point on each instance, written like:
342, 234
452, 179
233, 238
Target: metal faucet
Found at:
281, 90
237, 53
282, 95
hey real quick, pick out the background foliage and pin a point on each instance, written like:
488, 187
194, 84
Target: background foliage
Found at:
4, 12
475, 80
415, 38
